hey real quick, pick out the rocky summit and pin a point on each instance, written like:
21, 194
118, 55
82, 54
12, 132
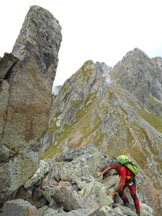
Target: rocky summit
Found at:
53, 146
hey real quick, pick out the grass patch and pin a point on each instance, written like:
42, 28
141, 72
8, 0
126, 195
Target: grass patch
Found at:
98, 139
85, 71
75, 103
52, 126
70, 129
51, 152
152, 119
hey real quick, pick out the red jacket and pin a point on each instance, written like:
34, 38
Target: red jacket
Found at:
124, 173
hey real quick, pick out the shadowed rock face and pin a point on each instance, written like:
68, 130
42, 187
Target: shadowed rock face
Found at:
6, 64
25, 95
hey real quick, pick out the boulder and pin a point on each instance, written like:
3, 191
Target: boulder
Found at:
18, 207
69, 198
44, 168
77, 212
125, 210
14, 173
94, 193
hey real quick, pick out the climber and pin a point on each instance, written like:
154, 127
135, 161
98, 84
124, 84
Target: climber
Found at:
127, 179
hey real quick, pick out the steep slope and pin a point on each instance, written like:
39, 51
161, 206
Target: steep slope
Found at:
142, 77
120, 111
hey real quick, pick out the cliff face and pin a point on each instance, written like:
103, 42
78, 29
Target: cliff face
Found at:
119, 110
26, 79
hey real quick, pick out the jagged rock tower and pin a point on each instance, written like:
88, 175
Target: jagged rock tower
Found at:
27, 77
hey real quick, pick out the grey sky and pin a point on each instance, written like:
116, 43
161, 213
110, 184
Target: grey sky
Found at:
100, 30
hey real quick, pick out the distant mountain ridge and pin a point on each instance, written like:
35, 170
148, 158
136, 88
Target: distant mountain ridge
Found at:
123, 114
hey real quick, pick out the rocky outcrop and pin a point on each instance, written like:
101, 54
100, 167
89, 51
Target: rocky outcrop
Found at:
82, 193
27, 77
19, 207
119, 111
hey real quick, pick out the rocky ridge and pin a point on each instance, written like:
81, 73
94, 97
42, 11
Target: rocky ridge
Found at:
119, 110
71, 187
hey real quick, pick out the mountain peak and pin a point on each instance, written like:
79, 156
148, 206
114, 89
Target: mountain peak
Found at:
135, 53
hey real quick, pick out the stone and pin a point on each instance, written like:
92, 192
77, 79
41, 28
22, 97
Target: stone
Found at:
68, 198
125, 210
146, 210
49, 192
85, 165
94, 193
18, 207
44, 168
42, 210
70, 155
20, 168
80, 212
6, 64
106, 211
77, 212
47, 212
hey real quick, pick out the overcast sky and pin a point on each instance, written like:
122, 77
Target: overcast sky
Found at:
100, 30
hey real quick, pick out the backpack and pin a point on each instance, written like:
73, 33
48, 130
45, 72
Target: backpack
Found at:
125, 161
